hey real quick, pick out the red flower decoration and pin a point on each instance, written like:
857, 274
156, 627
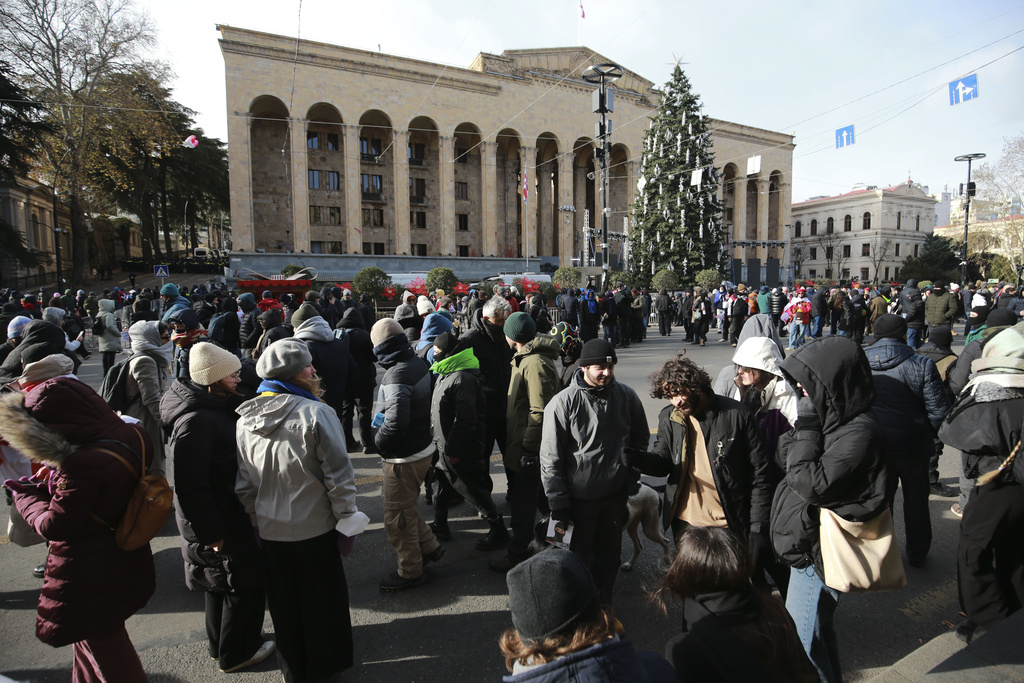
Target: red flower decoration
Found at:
389, 292
529, 286
461, 288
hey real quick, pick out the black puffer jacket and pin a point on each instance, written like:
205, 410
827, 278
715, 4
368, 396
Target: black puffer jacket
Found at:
490, 348
841, 466
202, 449
249, 329
738, 458
404, 399
910, 399
776, 302
361, 348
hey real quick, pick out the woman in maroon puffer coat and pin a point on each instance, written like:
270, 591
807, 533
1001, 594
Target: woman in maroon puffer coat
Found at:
91, 586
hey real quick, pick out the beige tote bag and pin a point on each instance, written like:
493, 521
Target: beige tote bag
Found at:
860, 557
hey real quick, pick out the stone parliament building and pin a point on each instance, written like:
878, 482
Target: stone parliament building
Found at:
334, 150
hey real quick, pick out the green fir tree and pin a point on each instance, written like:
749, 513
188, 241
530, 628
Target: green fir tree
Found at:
677, 224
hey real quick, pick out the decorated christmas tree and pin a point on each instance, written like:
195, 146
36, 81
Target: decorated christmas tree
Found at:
677, 216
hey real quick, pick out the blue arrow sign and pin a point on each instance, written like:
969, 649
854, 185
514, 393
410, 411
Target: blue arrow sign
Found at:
964, 89
844, 137
161, 271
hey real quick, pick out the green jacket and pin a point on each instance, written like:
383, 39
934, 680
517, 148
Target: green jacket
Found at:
940, 309
535, 381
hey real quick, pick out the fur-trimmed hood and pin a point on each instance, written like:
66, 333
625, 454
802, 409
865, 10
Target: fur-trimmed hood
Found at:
30, 436
56, 418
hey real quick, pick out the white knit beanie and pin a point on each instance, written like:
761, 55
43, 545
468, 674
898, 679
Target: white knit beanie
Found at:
423, 306
209, 363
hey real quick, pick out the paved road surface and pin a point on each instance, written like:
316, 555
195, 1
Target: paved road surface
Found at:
446, 630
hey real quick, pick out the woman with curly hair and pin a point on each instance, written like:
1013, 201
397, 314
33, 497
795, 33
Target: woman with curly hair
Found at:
560, 631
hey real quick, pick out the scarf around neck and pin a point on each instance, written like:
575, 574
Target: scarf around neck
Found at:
280, 386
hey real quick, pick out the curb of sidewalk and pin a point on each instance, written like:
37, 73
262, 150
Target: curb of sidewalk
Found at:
994, 656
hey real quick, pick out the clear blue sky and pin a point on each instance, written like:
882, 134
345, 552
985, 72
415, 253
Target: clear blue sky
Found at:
798, 66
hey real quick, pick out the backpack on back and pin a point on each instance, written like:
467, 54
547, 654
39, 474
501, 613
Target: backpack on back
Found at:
114, 389
97, 326
217, 329
149, 506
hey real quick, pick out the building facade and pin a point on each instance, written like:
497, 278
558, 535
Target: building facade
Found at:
28, 207
862, 235
334, 150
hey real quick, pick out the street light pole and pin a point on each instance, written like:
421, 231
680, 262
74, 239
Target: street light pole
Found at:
56, 242
967, 209
603, 74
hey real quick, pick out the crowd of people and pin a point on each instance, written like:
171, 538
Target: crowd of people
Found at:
254, 406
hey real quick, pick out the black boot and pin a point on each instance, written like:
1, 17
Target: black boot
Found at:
496, 537
440, 524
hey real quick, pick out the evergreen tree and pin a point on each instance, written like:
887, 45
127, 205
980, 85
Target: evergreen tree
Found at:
676, 223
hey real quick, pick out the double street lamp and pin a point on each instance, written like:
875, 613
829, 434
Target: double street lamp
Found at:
967, 208
604, 104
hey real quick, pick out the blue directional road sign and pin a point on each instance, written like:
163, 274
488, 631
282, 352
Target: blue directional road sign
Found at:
844, 136
964, 89
161, 271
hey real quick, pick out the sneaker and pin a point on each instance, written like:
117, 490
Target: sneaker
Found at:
943, 491
396, 582
503, 563
369, 449
434, 556
266, 649
441, 531
956, 510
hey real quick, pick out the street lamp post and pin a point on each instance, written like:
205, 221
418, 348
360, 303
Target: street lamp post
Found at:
602, 75
56, 242
967, 209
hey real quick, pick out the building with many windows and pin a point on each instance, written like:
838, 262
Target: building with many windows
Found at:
28, 206
334, 150
862, 235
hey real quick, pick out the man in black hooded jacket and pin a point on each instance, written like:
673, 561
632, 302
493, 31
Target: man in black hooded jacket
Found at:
362, 383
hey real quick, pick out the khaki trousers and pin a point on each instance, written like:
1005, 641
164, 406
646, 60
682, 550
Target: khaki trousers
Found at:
408, 533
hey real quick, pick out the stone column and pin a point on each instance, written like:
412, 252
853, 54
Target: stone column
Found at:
580, 181
566, 219
353, 191
400, 156
546, 215
300, 186
739, 216
446, 168
528, 225
762, 216
488, 198
240, 170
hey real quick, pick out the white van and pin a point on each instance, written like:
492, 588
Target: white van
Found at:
200, 252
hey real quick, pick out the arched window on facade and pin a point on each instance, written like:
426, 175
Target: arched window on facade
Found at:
814, 226
917, 223
899, 220
847, 223
798, 229
830, 225
867, 220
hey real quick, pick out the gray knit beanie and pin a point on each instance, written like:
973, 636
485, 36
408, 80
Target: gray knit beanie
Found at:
384, 328
283, 359
550, 594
